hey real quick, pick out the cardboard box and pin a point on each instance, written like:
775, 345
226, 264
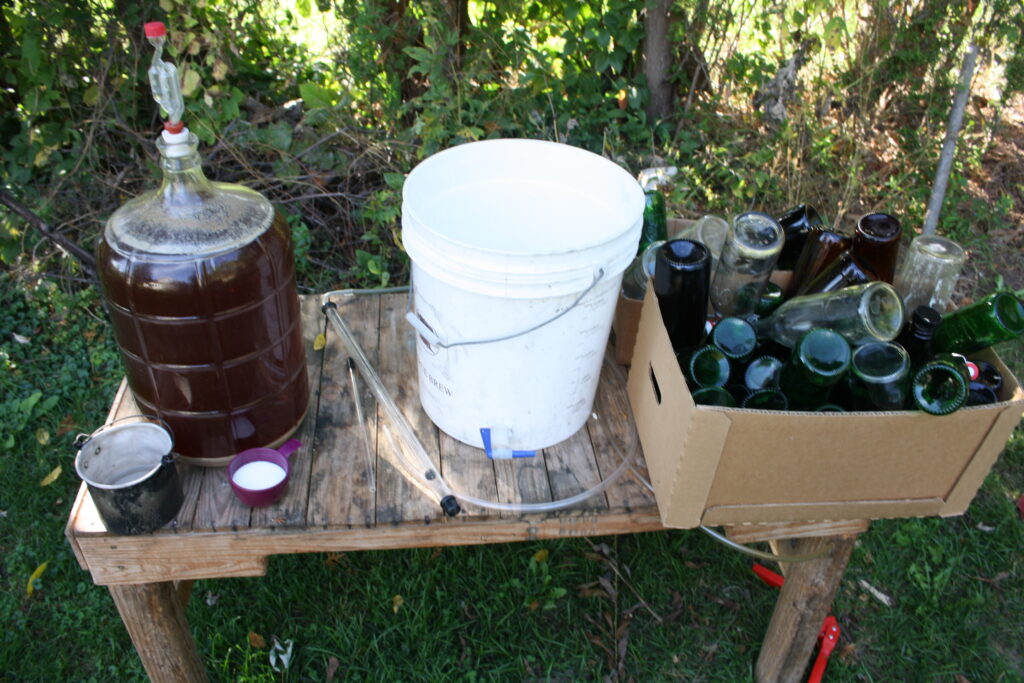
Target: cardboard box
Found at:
714, 466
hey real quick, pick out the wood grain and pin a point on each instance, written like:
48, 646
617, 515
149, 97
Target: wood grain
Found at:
155, 619
339, 491
804, 601
398, 498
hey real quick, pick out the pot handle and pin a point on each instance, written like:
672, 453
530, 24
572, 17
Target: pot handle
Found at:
289, 447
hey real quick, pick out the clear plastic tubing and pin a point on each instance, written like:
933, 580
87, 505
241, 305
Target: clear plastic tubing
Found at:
436, 484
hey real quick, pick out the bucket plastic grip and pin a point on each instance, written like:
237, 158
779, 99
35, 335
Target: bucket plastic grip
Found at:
501, 453
432, 339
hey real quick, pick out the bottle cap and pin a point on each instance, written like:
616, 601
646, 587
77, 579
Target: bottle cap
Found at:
154, 29
926, 318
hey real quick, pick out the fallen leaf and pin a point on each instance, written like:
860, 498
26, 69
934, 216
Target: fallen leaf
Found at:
31, 587
212, 598
256, 640
995, 579
42, 436
332, 668
320, 341
1020, 507
333, 559
984, 527
20, 339
3, 513
540, 556
396, 603
960, 678
533, 606
51, 477
875, 593
66, 425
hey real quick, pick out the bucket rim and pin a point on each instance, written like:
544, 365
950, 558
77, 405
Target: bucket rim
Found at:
110, 429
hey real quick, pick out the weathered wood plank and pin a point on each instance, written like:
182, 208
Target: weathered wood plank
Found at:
195, 555
291, 509
339, 493
804, 601
752, 533
398, 499
155, 620
217, 507
470, 471
613, 435
572, 469
522, 480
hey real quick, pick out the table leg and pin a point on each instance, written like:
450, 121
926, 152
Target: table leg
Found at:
804, 601
154, 615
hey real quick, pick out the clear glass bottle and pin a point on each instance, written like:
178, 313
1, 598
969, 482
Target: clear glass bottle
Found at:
863, 313
929, 272
199, 282
748, 258
996, 318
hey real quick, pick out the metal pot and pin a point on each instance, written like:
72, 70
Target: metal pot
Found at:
131, 474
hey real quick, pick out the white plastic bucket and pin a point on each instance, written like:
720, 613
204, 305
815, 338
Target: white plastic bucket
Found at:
518, 249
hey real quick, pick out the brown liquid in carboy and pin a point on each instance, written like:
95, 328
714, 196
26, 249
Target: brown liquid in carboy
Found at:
213, 345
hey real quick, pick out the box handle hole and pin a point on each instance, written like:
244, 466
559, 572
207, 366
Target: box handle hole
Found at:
654, 385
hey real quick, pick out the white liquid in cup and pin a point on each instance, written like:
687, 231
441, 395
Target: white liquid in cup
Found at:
259, 475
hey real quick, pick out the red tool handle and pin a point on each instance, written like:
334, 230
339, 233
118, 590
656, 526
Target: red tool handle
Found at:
827, 640
773, 579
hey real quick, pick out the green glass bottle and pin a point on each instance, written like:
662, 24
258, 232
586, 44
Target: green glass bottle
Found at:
655, 225
941, 385
879, 377
735, 337
819, 360
762, 373
705, 366
766, 399
771, 298
714, 396
996, 318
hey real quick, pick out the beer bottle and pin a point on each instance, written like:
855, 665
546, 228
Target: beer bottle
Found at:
797, 224
819, 360
916, 336
998, 317
941, 385
682, 275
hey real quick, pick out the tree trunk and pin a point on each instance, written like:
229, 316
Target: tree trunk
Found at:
657, 59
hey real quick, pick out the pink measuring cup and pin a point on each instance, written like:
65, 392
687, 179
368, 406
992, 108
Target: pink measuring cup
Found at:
255, 495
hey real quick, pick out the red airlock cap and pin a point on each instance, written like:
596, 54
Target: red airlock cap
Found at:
155, 29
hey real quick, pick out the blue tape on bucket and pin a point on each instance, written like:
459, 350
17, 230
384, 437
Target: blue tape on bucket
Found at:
501, 453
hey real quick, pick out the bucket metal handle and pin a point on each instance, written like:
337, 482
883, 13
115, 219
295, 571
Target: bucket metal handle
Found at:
432, 339
83, 439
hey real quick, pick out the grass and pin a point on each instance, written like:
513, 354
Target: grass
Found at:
527, 611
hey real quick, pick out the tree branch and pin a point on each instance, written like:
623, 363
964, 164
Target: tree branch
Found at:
87, 260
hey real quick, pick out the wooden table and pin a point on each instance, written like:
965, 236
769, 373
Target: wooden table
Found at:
329, 506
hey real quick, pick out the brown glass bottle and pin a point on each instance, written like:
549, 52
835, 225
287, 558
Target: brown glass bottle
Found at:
205, 313
821, 248
876, 244
845, 271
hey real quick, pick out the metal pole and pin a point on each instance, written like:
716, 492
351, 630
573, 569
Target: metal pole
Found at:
956, 118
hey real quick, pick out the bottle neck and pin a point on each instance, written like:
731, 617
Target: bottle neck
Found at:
183, 178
